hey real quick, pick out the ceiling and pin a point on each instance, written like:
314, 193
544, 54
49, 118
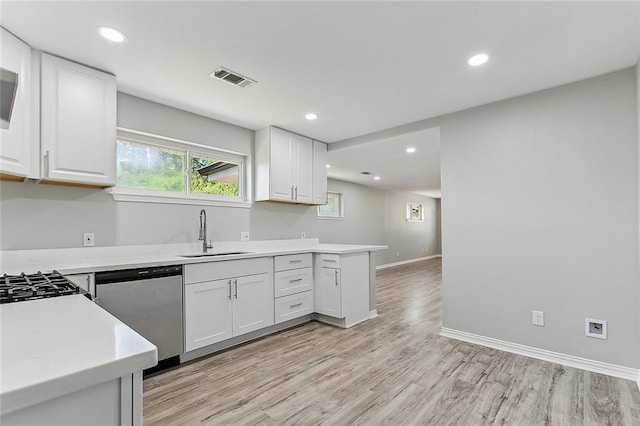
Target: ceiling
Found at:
388, 159
361, 66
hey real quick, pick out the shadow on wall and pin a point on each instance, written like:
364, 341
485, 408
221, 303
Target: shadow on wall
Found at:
278, 221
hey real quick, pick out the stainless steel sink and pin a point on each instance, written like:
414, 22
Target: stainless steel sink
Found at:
226, 253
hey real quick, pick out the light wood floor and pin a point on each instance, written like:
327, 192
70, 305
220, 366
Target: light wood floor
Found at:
394, 369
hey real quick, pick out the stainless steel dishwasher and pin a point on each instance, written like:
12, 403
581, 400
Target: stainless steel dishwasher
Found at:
149, 300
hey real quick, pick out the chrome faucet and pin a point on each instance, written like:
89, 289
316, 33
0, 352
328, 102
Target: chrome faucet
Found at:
202, 234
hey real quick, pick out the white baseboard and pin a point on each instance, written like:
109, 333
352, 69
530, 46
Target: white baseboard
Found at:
405, 262
373, 314
545, 355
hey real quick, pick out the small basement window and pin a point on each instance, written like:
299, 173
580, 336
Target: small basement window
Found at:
152, 168
334, 207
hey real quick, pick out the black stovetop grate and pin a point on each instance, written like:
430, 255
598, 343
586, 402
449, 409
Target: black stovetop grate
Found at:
16, 288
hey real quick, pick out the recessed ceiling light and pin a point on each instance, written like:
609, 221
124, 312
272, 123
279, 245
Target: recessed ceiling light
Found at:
376, 178
311, 116
328, 166
112, 34
411, 150
478, 59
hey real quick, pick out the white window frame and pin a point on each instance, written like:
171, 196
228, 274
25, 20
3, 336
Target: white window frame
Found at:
340, 207
243, 200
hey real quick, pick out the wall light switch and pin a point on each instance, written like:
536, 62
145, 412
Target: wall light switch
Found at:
89, 239
537, 318
244, 236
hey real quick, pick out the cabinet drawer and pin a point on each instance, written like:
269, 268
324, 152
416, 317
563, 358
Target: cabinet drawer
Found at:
210, 271
329, 260
294, 281
294, 306
292, 261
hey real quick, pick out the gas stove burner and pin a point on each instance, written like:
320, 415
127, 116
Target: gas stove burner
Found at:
17, 288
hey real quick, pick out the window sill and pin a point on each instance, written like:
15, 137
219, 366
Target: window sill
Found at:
119, 194
331, 217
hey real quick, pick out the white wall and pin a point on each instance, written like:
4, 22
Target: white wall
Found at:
363, 221
638, 135
540, 211
409, 240
50, 216
373, 216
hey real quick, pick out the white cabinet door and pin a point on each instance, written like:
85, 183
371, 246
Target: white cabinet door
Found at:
328, 297
208, 313
319, 172
18, 146
284, 166
252, 303
303, 166
281, 168
78, 117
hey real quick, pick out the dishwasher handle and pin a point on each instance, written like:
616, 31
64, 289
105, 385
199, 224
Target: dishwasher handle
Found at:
124, 275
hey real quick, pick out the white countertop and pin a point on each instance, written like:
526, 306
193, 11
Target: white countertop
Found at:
93, 259
52, 347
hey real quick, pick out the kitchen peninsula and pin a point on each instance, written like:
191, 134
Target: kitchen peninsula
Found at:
303, 280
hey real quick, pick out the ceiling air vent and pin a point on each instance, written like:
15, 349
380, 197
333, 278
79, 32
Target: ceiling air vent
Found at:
232, 77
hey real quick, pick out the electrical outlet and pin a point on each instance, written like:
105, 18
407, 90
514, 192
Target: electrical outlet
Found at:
397, 254
537, 318
595, 328
244, 236
89, 239
303, 234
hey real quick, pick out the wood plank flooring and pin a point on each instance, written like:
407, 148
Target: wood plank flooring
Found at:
394, 370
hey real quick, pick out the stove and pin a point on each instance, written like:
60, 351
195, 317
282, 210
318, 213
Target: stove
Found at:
18, 288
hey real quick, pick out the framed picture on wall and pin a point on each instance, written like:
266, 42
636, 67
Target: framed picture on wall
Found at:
415, 212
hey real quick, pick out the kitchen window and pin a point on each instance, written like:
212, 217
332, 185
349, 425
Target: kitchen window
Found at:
334, 207
152, 168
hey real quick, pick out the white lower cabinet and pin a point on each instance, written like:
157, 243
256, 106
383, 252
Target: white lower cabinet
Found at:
293, 286
208, 315
294, 306
115, 402
221, 301
251, 307
329, 293
342, 286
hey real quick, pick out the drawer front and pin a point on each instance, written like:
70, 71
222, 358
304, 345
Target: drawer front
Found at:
294, 281
292, 261
211, 271
294, 306
329, 260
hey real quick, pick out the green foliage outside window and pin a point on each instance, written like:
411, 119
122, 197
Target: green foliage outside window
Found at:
200, 184
158, 168
149, 168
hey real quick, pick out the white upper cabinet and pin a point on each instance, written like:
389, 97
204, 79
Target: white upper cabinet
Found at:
319, 172
303, 169
280, 172
78, 123
18, 143
284, 167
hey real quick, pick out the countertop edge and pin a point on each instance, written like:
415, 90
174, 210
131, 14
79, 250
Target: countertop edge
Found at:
28, 396
141, 261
